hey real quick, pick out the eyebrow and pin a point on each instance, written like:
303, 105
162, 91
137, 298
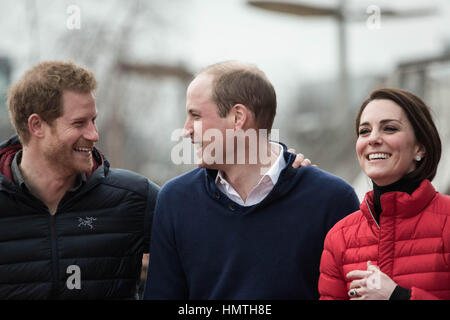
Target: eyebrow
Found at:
382, 122
84, 118
193, 110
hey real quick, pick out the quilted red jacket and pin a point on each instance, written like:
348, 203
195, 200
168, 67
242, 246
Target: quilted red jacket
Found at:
411, 244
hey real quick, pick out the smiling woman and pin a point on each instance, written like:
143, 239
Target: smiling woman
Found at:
397, 246
386, 145
410, 113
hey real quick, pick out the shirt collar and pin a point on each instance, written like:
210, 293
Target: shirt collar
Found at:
17, 175
20, 182
273, 173
275, 170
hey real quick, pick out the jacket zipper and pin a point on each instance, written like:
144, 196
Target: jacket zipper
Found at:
55, 271
372, 215
53, 240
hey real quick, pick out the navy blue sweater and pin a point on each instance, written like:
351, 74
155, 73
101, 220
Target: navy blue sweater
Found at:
205, 246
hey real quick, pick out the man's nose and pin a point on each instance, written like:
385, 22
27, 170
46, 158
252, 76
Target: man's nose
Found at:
188, 129
91, 133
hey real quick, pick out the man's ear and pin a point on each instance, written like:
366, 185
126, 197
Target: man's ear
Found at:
36, 126
241, 116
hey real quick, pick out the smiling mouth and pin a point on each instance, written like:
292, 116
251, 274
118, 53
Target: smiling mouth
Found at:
378, 156
86, 150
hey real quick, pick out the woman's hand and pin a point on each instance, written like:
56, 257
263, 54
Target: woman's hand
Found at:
370, 284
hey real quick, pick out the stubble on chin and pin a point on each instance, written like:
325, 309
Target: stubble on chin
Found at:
64, 162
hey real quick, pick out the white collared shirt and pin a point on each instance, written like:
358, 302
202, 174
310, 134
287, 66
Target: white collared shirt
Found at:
264, 186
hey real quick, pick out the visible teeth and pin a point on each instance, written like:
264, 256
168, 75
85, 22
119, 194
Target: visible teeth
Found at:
83, 149
379, 156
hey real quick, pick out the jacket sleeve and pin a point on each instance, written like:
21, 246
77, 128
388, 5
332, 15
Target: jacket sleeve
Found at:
332, 285
420, 294
153, 190
165, 278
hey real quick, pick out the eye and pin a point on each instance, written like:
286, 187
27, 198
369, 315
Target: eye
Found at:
390, 129
78, 123
363, 131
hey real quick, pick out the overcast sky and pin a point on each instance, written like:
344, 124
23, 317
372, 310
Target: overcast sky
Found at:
287, 45
292, 49
280, 44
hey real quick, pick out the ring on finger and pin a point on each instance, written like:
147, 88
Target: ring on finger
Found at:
353, 293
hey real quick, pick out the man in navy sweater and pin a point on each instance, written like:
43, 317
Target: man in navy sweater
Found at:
241, 226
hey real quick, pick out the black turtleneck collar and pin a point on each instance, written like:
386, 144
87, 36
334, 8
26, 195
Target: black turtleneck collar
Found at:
407, 185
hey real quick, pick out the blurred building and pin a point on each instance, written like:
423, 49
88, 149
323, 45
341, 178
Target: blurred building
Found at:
322, 129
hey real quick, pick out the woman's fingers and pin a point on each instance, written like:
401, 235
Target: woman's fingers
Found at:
358, 274
358, 283
357, 293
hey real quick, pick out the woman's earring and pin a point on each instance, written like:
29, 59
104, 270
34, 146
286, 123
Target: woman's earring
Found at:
418, 158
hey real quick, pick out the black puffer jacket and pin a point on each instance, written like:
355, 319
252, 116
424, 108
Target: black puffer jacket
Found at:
90, 249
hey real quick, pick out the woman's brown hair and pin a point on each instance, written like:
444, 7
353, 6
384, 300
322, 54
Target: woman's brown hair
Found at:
425, 131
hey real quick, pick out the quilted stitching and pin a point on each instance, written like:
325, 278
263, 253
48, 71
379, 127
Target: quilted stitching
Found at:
412, 245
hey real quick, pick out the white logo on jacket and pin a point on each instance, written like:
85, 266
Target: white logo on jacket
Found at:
87, 222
